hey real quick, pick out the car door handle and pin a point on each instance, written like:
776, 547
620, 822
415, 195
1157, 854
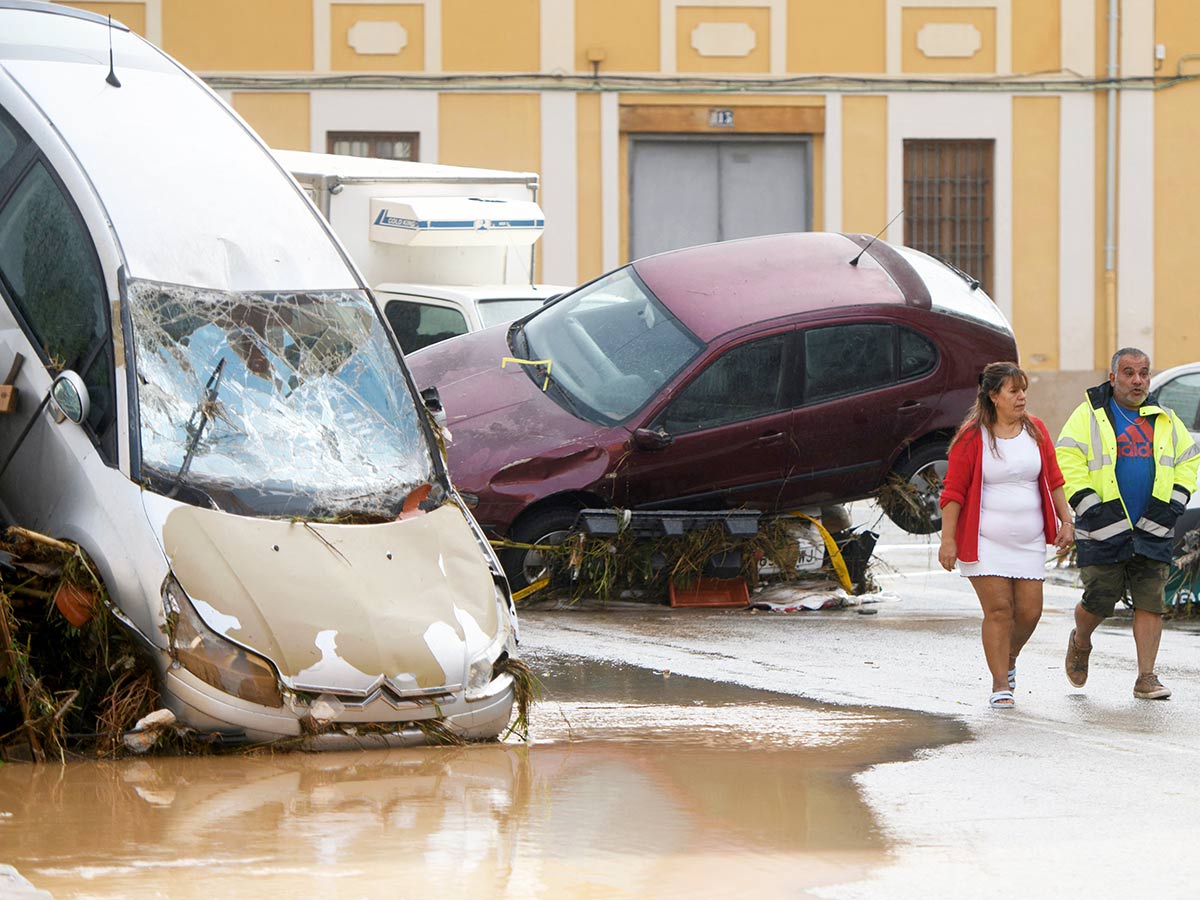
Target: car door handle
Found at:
910, 406
771, 437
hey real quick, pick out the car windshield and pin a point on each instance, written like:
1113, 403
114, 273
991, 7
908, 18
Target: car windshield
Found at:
504, 309
284, 404
611, 345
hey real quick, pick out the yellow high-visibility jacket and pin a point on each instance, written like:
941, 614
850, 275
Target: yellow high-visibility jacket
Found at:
1087, 455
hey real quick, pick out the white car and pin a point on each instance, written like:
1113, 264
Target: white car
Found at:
423, 314
1179, 389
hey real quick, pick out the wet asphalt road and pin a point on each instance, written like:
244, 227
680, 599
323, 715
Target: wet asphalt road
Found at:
1076, 792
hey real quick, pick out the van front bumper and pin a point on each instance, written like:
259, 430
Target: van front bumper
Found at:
201, 707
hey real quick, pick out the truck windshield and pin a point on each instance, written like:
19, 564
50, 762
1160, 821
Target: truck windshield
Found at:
283, 404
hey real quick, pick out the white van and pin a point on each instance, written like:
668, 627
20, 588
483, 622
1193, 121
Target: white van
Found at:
233, 437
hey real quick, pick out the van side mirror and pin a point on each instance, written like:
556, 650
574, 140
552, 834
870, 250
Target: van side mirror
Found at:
433, 403
646, 439
70, 397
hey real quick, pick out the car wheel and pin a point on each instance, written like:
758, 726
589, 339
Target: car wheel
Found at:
546, 526
913, 504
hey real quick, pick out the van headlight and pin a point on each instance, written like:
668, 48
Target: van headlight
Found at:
213, 659
482, 665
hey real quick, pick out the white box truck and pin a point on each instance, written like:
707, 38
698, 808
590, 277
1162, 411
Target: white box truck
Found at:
448, 249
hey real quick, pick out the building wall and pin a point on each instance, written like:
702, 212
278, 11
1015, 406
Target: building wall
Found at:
557, 87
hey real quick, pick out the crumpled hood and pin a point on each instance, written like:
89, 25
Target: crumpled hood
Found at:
496, 415
341, 608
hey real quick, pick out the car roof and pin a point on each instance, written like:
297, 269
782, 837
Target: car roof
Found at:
716, 288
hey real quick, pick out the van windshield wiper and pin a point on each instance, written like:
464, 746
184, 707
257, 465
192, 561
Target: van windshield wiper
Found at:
204, 411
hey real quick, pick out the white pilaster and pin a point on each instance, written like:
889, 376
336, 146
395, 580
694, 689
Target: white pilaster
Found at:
610, 187
1135, 221
557, 37
833, 162
559, 189
1078, 18
1076, 229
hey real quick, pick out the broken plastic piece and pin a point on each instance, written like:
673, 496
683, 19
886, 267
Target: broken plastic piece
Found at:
148, 730
325, 709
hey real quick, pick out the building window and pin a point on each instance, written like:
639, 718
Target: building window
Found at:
948, 203
377, 144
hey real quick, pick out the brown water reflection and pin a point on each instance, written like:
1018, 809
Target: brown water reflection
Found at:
637, 784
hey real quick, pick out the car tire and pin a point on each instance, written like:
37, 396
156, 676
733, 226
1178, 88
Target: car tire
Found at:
545, 526
923, 469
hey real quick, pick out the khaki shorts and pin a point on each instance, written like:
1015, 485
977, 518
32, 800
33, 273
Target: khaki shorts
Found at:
1143, 579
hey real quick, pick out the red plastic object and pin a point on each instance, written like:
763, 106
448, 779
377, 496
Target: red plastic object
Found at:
712, 592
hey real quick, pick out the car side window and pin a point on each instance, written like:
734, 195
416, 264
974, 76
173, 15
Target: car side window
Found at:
1182, 394
848, 359
918, 354
418, 325
744, 383
49, 270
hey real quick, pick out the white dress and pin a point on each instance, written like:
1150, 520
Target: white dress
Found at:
1012, 541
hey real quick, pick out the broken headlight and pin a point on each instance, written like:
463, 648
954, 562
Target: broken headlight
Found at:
213, 659
482, 665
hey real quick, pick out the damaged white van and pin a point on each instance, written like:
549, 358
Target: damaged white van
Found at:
232, 435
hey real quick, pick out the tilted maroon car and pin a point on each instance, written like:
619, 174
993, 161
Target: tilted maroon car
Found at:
771, 373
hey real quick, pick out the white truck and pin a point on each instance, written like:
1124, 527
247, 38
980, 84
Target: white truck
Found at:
447, 249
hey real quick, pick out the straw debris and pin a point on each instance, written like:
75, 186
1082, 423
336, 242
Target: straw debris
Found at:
65, 689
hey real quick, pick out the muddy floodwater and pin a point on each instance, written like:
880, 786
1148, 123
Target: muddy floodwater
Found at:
636, 784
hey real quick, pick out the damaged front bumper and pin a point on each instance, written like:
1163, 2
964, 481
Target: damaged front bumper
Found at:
380, 722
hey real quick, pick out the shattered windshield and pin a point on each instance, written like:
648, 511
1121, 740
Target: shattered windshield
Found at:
611, 345
284, 404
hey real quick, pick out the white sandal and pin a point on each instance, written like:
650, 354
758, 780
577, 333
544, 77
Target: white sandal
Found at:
1002, 700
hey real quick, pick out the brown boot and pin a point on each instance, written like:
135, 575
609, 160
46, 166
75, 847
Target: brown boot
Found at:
1077, 662
1148, 687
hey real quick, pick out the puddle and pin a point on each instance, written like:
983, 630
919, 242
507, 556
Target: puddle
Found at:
636, 784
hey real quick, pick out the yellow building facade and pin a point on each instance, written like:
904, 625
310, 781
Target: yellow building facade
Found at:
1044, 145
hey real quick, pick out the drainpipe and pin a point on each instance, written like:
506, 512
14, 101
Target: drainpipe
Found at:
1110, 186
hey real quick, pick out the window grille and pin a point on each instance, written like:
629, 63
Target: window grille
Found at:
377, 144
948, 203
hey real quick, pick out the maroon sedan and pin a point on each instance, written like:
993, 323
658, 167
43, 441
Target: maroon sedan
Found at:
774, 372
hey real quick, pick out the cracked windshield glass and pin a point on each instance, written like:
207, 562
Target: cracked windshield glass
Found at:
279, 404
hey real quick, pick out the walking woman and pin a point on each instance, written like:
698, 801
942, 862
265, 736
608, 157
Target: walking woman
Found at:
1002, 503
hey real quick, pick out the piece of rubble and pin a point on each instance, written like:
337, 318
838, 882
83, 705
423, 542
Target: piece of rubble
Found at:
148, 730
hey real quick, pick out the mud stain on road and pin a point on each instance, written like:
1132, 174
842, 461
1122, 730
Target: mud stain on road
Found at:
636, 784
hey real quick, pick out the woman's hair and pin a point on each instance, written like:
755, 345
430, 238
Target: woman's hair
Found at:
983, 411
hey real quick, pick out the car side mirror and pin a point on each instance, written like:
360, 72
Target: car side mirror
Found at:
70, 397
647, 439
433, 403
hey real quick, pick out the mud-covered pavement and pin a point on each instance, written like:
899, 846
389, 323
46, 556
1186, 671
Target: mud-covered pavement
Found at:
686, 753
1075, 792
637, 783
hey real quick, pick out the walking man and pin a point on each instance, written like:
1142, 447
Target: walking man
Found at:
1130, 467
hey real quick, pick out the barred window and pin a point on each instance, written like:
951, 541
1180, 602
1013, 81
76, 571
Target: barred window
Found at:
378, 144
948, 203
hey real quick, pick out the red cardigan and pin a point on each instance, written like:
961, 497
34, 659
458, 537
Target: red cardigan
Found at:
964, 483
